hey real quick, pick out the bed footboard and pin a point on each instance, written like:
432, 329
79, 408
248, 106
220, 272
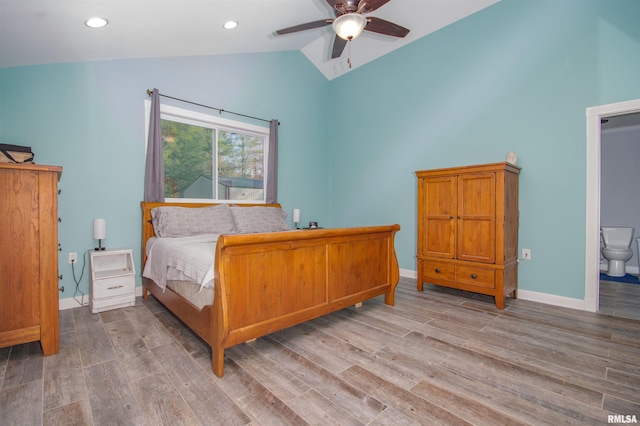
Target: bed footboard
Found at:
267, 282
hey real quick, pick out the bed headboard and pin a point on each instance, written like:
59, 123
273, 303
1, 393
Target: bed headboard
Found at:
147, 227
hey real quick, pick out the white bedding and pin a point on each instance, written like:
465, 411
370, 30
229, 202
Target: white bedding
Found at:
184, 258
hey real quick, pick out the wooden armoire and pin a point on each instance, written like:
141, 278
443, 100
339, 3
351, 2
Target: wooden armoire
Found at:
468, 229
29, 255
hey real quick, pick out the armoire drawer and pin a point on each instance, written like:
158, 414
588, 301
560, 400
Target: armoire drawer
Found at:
438, 270
479, 277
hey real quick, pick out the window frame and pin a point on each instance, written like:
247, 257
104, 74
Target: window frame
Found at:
211, 121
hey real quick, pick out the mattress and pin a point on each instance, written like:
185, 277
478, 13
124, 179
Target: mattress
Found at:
192, 292
184, 264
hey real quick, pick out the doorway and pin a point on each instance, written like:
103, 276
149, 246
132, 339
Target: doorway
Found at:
594, 146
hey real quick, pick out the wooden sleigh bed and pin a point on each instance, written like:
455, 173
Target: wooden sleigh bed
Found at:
265, 282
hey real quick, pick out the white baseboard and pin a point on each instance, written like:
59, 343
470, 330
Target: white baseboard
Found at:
70, 302
551, 299
407, 273
534, 296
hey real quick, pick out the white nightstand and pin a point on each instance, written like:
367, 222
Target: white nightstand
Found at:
113, 282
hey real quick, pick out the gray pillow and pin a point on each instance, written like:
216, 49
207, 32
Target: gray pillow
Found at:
259, 219
174, 221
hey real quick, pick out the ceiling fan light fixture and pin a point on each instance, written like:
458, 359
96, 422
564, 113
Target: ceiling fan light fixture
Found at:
349, 25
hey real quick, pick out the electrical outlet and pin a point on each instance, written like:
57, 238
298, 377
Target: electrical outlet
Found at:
526, 254
73, 257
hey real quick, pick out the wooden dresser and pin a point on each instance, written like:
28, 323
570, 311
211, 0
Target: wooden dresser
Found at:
468, 229
29, 255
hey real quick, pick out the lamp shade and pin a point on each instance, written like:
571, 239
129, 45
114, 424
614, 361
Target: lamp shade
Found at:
349, 25
296, 215
99, 229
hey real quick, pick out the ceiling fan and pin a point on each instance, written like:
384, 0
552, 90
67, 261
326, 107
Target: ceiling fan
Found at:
350, 22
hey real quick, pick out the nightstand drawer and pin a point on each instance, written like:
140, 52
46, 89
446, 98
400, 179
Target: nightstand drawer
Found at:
112, 287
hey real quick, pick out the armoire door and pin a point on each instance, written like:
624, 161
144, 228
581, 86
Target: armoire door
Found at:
438, 218
476, 221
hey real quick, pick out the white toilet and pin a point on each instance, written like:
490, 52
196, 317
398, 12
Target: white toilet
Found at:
617, 248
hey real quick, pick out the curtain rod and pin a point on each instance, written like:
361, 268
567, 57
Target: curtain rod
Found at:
210, 107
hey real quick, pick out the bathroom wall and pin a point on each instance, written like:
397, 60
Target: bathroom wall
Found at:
620, 183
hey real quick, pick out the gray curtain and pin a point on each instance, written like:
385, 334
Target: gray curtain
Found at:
272, 172
154, 172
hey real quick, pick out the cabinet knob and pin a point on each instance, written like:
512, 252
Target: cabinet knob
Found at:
450, 217
474, 276
437, 270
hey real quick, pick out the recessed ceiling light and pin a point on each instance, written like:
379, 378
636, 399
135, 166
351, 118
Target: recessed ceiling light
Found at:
96, 22
229, 25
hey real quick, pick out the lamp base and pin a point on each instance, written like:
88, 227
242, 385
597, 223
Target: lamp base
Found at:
100, 248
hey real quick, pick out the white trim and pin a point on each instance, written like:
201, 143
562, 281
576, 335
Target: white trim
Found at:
551, 299
71, 303
533, 296
408, 273
592, 241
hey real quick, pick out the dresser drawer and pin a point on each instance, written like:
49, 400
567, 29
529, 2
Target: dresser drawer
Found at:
479, 277
112, 287
437, 270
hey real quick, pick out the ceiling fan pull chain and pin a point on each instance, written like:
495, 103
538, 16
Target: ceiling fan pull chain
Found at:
349, 56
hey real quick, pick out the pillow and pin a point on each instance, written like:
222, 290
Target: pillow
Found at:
173, 221
259, 219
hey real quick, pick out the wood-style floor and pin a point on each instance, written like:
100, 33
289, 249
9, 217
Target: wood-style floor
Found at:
620, 300
437, 357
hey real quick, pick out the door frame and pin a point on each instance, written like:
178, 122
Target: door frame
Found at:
594, 155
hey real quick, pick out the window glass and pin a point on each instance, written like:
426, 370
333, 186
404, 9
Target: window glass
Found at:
207, 158
188, 165
240, 166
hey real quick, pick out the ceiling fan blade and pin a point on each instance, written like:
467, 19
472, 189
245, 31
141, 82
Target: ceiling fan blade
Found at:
338, 47
303, 27
381, 26
366, 6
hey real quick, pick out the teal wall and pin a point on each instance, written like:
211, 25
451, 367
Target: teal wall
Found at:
89, 119
518, 76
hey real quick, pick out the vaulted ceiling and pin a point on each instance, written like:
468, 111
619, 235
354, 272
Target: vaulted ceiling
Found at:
34, 32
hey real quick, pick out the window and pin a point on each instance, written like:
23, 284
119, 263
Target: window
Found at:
208, 158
